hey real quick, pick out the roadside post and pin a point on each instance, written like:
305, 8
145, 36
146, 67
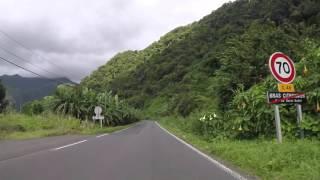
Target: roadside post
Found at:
283, 70
299, 120
98, 116
278, 124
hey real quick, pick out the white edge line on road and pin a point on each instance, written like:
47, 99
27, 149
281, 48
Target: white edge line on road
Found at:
102, 135
217, 163
58, 148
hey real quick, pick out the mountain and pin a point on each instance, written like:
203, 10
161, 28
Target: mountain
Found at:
24, 89
202, 65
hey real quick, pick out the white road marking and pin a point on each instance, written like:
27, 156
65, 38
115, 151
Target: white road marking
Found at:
102, 135
58, 148
122, 130
68, 145
217, 163
116, 132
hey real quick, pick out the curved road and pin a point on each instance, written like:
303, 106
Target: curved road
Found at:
142, 152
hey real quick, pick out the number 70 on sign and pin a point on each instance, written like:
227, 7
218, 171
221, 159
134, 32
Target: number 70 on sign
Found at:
282, 68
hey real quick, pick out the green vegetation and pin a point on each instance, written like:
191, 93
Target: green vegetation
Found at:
3, 102
294, 159
19, 126
210, 79
68, 111
123, 64
80, 103
219, 65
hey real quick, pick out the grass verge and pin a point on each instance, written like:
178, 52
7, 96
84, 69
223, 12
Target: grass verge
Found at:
292, 160
20, 126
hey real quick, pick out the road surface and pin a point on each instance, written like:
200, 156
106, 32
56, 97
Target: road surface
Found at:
142, 152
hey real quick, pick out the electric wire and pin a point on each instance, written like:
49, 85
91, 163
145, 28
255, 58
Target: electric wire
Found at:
34, 65
28, 70
31, 52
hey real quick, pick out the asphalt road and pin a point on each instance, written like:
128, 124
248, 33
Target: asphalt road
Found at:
142, 152
17, 148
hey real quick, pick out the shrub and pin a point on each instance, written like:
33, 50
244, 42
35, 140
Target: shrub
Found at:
33, 108
184, 104
80, 103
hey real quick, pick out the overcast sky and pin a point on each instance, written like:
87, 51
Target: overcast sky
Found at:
73, 37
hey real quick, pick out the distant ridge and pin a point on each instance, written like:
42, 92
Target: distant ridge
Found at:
25, 89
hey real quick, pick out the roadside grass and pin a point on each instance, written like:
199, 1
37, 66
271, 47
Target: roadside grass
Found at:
292, 160
20, 126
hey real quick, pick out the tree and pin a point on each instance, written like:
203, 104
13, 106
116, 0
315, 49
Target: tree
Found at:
3, 101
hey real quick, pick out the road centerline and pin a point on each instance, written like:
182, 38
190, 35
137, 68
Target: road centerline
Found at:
68, 145
101, 135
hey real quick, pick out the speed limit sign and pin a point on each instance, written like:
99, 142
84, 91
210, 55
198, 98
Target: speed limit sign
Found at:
282, 68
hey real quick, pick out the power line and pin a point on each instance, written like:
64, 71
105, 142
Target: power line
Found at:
15, 64
34, 65
30, 50
10, 62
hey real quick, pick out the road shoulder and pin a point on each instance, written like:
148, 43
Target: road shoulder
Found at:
222, 164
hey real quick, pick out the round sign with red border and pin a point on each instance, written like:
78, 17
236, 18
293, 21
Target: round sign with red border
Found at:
282, 67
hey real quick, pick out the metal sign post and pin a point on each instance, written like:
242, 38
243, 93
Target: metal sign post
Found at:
278, 125
283, 70
299, 120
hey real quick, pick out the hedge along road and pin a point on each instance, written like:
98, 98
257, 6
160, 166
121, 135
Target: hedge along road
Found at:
142, 152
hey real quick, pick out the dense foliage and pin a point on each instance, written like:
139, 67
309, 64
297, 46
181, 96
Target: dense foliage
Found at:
124, 63
219, 65
3, 101
80, 103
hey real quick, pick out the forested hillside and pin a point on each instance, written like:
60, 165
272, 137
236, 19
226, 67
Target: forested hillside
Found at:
207, 83
124, 63
206, 66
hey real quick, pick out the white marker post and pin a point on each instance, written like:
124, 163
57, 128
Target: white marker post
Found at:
98, 116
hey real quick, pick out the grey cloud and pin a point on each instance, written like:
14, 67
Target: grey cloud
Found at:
43, 36
79, 36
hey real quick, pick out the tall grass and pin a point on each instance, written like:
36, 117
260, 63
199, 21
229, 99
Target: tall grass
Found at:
292, 160
20, 126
